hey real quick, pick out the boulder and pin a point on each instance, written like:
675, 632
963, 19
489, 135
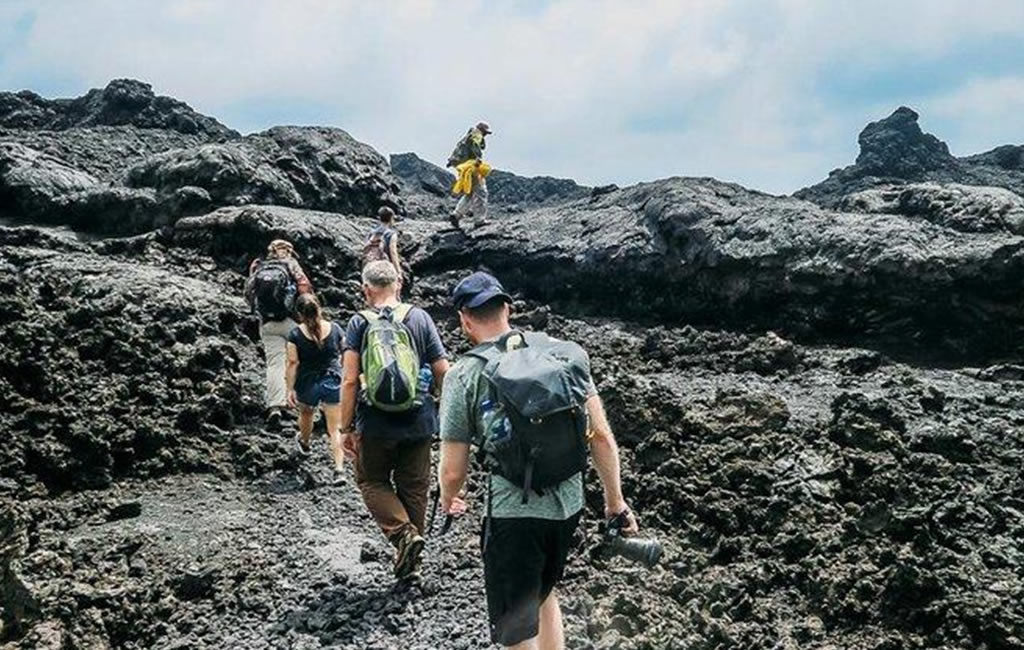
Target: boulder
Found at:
36, 184
318, 168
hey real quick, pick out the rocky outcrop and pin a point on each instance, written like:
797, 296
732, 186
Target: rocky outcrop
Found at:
143, 179
113, 366
428, 188
318, 168
966, 208
124, 102
703, 251
807, 495
895, 150
522, 192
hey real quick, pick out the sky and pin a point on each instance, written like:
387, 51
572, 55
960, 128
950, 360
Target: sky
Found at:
767, 93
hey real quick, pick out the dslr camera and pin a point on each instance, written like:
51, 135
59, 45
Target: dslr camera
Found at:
644, 551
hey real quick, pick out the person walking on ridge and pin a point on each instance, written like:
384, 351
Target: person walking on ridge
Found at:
274, 282
535, 499
467, 159
393, 354
382, 243
313, 376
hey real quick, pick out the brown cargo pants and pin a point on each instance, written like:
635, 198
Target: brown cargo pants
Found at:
394, 478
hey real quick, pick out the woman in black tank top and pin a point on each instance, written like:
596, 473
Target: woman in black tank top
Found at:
313, 376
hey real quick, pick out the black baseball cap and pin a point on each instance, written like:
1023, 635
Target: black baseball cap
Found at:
476, 289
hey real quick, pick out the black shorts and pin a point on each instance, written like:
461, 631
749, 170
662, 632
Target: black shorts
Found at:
523, 561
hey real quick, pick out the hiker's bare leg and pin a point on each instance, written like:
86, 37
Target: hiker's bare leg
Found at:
305, 423
552, 634
333, 414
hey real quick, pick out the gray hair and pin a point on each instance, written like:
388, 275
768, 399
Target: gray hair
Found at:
380, 274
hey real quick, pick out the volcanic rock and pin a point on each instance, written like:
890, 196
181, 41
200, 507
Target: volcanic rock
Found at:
707, 252
895, 150
806, 495
318, 168
123, 102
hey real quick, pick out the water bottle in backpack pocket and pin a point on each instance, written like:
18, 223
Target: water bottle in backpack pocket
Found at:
534, 417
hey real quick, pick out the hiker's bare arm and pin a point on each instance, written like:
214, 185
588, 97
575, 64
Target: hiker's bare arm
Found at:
439, 368
605, 452
290, 370
396, 258
452, 471
349, 388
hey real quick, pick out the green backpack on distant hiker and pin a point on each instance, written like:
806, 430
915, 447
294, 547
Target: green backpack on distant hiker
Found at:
390, 364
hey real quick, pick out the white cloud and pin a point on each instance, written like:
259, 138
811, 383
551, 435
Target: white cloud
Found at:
599, 90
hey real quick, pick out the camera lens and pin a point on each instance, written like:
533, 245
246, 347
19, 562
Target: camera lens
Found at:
644, 551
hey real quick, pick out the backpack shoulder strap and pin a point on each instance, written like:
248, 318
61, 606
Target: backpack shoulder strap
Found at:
486, 352
401, 311
369, 315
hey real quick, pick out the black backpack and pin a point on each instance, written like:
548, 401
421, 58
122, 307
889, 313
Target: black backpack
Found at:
274, 290
534, 416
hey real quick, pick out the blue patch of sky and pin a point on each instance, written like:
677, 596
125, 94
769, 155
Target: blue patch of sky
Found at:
903, 77
16, 33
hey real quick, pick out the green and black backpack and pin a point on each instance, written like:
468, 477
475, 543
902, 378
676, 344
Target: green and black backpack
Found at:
534, 414
390, 363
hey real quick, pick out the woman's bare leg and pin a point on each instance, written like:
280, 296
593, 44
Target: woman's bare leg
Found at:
305, 424
333, 414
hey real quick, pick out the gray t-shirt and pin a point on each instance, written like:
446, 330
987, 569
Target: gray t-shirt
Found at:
461, 421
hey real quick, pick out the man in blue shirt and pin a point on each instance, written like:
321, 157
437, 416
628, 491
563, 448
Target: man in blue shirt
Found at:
392, 449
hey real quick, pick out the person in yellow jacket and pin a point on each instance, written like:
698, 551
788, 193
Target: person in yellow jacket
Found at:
473, 188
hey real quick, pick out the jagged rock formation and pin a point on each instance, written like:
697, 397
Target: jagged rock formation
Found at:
808, 495
895, 150
162, 161
124, 102
699, 250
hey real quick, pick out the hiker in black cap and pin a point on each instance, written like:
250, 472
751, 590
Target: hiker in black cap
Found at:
534, 500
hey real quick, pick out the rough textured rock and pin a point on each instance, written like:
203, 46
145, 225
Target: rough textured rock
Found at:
428, 189
895, 150
966, 208
522, 191
122, 102
808, 496
103, 151
714, 253
318, 168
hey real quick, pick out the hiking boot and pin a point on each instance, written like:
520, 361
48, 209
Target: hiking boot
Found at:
304, 447
454, 220
338, 476
407, 557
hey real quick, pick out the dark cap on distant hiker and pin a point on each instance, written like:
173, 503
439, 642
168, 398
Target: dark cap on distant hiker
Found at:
484, 128
477, 289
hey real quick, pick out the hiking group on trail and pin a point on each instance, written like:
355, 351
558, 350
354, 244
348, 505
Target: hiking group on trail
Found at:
525, 401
